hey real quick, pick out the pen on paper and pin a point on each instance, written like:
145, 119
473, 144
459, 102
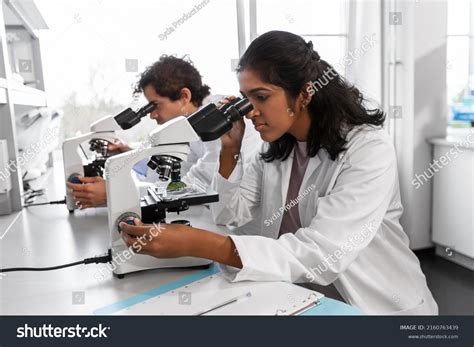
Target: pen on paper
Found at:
225, 303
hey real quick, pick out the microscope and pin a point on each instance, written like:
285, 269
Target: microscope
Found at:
167, 147
102, 133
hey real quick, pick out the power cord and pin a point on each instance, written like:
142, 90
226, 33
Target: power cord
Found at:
95, 260
57, 202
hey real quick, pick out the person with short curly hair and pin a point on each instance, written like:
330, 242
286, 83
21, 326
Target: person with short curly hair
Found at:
175, 87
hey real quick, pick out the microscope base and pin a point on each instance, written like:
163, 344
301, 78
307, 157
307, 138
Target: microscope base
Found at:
124, 262
197, 267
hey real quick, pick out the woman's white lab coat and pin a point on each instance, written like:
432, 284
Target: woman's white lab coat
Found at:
350, 235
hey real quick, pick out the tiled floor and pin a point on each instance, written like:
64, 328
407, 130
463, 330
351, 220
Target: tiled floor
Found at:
452, 285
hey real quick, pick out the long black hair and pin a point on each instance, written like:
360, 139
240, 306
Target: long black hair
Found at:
286, 60
169, 75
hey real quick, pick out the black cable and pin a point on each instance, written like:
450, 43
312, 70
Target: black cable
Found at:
30, 196
57, 202
95, 260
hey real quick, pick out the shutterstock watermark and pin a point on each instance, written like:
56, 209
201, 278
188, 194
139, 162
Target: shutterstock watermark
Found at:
183, 19
437, 164
49, 331
29, 153
367, 230
330, 73
135, 248
288, 206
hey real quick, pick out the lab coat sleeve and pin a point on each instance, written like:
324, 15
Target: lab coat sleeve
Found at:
239, 195
344, 224
205, 167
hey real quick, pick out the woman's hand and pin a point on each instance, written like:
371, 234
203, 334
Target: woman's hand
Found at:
91, 193
158, 240
178, 240
232, 140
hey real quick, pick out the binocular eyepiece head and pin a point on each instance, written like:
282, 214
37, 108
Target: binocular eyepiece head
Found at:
129, 118
237, 109
211, 122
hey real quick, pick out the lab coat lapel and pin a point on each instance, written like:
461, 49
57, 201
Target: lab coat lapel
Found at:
285, 172
277, 202
313, 164
308, 180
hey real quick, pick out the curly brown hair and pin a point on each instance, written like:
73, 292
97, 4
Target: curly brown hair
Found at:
169, 75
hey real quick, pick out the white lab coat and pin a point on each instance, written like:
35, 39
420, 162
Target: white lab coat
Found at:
350, 235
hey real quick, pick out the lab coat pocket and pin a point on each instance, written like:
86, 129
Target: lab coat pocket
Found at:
419, 309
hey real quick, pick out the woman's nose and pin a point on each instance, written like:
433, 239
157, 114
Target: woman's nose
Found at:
252, 114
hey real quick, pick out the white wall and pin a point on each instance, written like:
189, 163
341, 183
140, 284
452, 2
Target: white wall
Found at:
421, 91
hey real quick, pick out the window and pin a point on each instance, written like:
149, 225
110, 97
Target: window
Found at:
460, 56
321, 21
95, 50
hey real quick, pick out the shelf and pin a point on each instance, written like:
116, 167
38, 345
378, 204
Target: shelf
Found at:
24, 95
3, 91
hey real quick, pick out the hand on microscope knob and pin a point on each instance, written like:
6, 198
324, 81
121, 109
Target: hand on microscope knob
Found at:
90, 193
158, 240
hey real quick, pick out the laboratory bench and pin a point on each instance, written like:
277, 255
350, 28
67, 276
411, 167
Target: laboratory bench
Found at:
49, 235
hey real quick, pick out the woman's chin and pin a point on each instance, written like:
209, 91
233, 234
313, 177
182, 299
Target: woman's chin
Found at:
268, 137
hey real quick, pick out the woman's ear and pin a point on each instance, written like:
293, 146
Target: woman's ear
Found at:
305, 96
186, 96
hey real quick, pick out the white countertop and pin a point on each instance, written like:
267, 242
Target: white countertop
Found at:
466, 141
47, 236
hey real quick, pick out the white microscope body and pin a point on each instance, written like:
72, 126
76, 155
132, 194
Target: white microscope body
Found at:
123, 195
104, 129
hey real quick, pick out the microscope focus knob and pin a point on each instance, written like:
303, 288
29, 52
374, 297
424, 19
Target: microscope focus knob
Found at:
74, 179
128, 218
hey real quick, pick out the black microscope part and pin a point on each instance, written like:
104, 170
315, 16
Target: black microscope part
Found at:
129, 118
166, 166
210, 122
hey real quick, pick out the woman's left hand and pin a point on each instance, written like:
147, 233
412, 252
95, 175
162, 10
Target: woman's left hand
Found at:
158, 240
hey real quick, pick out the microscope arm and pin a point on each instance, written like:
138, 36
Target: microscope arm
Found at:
73, 164
123, 195
72, 155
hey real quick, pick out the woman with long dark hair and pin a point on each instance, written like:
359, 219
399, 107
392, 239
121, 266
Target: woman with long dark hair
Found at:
325, 185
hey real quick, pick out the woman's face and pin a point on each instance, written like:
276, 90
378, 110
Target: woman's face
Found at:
165, 108
271, 115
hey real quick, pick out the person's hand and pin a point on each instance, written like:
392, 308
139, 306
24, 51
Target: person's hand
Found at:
178, 240
90, 193
232, 140
158, 240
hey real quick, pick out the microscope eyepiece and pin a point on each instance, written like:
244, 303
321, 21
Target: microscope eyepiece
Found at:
129, 118
211, 122
239, 109
145, 110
